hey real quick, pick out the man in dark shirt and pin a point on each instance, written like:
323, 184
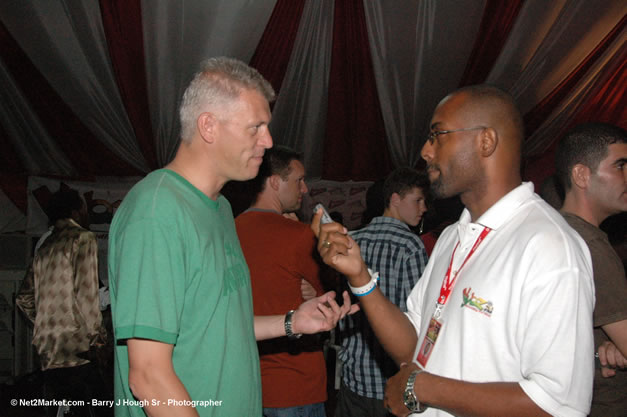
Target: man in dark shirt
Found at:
591, 168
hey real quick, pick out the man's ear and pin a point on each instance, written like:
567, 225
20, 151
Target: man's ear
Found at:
395, 200
274, 181
207, 124
488, 140
580, 176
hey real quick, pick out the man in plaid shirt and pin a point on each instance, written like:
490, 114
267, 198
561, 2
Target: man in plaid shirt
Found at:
397, 253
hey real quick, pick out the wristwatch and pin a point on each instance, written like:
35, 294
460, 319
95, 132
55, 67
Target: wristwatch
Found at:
409, 396
288, 326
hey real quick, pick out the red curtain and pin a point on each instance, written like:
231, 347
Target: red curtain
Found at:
275, 47
122, 22
610, 104
497, 21
355, 142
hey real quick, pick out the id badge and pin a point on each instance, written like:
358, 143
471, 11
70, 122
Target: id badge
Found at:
429, 341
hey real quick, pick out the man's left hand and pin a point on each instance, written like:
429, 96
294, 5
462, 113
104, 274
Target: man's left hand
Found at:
321, 314
395, 388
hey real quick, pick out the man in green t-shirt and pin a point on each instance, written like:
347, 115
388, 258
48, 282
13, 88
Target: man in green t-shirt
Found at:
180, 287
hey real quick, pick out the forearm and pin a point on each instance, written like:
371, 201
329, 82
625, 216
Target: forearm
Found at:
157, 388
268, 327
152, 379
475, 399
393, 329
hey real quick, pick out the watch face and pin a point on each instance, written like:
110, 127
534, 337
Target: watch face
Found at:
410, 400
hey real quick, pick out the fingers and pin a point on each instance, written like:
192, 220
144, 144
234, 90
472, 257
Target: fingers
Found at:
333, 233
315, 222
329, 309
291, 216
348, 308
610, 356
328, 300
354, 309
602, 353
346, 305
614, 357
332, 311
607, 372
333, 242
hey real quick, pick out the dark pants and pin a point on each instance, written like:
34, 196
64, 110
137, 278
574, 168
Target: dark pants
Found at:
78, 383
350, 404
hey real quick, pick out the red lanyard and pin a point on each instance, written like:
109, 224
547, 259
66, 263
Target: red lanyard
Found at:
448, 283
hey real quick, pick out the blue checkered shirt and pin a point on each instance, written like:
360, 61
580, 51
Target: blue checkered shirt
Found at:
391, 248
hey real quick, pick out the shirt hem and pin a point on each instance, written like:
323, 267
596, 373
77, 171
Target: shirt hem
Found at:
145, 332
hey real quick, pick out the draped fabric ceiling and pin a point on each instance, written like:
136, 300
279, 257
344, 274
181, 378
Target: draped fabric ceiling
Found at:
91, 88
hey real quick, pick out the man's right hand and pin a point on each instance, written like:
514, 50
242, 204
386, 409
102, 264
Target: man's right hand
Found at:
340, 251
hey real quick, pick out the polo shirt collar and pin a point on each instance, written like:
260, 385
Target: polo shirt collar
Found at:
502, 210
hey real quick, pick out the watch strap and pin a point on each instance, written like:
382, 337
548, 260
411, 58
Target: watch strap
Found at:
409, 396
288, 326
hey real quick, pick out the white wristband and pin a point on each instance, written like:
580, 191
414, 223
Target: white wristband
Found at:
369, 287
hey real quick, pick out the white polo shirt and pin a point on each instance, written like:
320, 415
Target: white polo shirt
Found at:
521, 309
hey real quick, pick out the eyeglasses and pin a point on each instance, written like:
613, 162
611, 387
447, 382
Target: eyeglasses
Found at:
432, 136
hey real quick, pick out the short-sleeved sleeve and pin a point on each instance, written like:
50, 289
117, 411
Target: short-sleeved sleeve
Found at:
150, 282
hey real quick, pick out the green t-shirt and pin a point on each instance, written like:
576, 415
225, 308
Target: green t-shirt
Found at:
177, 275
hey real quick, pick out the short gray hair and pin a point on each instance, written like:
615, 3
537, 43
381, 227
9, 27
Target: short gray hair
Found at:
218, 83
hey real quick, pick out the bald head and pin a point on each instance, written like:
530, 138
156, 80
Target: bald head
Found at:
486, 105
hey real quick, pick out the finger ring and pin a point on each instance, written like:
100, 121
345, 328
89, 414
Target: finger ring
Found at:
326, 244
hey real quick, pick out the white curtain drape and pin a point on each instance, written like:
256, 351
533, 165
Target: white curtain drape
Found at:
416, 58
534, 62
177, 37
65, 41
299, 115
419, 51
548, 41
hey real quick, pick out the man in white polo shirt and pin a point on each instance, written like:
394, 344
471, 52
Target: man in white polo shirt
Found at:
499, 323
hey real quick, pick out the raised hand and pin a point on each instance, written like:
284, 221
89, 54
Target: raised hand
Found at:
322, 313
